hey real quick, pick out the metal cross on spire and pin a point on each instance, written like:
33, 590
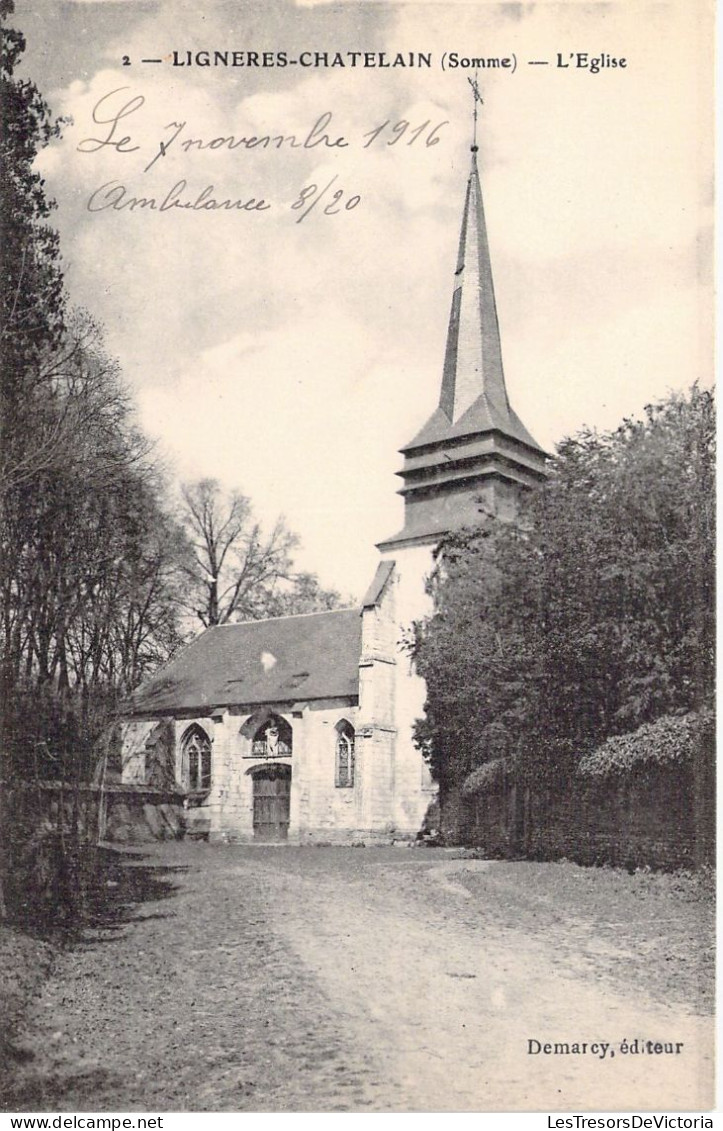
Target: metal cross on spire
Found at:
478, 100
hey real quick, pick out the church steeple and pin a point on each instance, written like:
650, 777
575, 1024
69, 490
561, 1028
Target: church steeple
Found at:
474, 446
473, 375
473, 360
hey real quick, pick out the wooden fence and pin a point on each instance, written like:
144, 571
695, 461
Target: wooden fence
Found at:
662, 817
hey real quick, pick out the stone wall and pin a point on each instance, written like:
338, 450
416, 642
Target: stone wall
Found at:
319, 808
136, 815
123, 814
316, 803
403, 602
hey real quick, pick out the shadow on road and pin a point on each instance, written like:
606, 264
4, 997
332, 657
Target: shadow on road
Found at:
103, 890
46, 1093
58, 890
122, 881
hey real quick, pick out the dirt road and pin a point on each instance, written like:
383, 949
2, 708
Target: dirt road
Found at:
262, 979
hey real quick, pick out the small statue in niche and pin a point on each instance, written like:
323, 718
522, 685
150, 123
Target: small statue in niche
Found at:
272, 740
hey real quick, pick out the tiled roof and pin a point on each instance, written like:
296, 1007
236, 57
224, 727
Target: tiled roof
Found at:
285, 659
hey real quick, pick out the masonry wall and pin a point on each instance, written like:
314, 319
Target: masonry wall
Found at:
134, 735
319, 809
323, 807
376, 727
403, 602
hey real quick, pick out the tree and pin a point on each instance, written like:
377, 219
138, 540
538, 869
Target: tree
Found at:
303, 593
90, 557
233, 570
591, 616
32, 300
89, 551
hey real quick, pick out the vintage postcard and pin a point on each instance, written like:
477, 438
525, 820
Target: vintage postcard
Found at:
358, 539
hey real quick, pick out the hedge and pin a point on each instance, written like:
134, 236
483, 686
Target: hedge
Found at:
672, 740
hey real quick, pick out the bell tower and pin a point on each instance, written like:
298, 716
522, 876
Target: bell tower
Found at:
474, 449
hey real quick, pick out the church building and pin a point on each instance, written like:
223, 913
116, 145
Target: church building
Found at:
300, 728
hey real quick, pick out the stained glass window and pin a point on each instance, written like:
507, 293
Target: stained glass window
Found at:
344, 754
196, 762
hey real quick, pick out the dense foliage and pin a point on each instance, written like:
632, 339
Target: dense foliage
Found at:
672, 740
88, 552
31, 295
589, 617
486, 777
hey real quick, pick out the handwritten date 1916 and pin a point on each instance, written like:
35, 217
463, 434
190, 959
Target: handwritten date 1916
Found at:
113, 110
403, 128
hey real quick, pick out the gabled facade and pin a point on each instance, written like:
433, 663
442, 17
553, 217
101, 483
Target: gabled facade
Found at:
283, 729
301, 728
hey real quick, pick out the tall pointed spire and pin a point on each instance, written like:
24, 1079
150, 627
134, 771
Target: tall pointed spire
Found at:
473, 360
473, 379
474, 446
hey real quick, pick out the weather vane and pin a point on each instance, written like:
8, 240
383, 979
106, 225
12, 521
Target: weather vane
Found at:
478, 99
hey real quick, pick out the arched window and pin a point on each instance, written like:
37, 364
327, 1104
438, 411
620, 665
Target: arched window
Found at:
196, 760
272, 739
344, 754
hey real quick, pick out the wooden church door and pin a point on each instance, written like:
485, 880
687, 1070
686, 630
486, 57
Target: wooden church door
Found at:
272, 799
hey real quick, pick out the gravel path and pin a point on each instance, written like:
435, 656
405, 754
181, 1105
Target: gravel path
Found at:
252, 979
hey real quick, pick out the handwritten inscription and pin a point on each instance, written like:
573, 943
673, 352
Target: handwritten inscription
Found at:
310, 196
312, 139
117, 112
399, 130
111, 111
114, 196
100, 110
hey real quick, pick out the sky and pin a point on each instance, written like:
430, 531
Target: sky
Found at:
291, 356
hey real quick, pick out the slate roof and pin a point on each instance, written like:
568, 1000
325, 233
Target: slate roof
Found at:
478, 418
473, 397
379, 583
283, 659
